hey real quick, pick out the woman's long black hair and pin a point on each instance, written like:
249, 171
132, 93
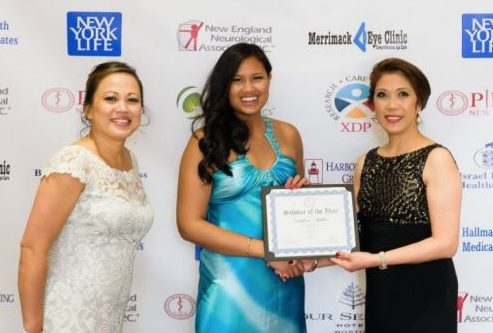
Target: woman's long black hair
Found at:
223, 130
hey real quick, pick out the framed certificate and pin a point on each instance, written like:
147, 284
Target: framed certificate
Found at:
309, 222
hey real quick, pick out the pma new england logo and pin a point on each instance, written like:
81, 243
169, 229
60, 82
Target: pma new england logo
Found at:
196, 35
477, 35
347, 103
473, 103
388, 39
94, 33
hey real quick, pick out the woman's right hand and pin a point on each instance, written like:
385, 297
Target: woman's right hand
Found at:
287, 269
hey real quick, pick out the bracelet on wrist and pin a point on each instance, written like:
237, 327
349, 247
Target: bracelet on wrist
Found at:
314, 266
381, 257
248, 247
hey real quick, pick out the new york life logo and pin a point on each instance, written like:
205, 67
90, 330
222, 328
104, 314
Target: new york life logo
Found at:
94, 33
347, 103
477, 35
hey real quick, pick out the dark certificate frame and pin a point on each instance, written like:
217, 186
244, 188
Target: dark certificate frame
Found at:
314, 221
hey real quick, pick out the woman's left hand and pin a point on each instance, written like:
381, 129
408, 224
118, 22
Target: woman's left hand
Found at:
296, 182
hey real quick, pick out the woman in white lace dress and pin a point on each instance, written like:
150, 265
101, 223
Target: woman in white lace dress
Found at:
89, 215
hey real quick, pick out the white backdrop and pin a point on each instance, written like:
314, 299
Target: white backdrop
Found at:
321, 51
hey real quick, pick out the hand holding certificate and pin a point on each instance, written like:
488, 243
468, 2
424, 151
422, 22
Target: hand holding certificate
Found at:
313, 221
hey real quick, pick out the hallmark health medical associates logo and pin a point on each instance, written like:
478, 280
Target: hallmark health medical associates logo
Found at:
188, 101
347, 103
196, 35
179, 306
477, 239
474, 103
477, 35
7, 36
94, 33
395, 39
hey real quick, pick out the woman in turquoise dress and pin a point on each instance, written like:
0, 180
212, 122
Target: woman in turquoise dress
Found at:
229, 158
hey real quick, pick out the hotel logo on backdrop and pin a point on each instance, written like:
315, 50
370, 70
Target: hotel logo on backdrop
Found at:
197, 35
477, 103
362, 38
6, 37
475, 308
346, 102
477, 35
94, 33
4, 101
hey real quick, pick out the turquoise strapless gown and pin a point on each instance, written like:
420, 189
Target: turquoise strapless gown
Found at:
242, 294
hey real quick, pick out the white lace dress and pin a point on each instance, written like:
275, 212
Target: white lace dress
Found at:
90, 264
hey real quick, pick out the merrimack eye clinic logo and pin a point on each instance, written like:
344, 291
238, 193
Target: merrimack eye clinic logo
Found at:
477, 35
94, 33
347, 103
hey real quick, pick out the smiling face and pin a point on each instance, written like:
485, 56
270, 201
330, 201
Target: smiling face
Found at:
116, 108
249, 90
395, 104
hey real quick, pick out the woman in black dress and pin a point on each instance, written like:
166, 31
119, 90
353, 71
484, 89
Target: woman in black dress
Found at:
409, 197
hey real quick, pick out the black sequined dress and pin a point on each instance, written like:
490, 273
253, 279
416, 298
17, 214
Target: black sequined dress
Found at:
393, 212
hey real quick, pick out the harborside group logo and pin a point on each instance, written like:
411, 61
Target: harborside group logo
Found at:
4, 101
94, 33
386, 39
477, 35
477, 103
195, 35
6, 37
474, 308
346, 102
314, 171
179, 306
477, 239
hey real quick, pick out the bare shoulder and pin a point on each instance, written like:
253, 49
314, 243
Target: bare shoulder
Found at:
284, 129
440, 157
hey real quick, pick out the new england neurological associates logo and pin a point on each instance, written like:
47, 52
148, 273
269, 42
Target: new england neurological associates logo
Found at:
395, 39
477, 35
179, 306
6, 35
4, 101
5, 170
94, 33
482, 178
475, 308
195, 35
188, 101
477, 103
347, 103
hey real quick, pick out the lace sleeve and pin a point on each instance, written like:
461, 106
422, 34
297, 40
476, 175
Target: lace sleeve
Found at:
70, 160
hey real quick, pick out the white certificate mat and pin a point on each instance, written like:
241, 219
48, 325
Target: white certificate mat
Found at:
313, 221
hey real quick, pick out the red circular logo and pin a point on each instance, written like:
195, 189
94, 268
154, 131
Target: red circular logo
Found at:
58, 99
452, 103
179, 306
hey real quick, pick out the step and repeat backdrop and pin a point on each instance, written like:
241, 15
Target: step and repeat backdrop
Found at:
321, 51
